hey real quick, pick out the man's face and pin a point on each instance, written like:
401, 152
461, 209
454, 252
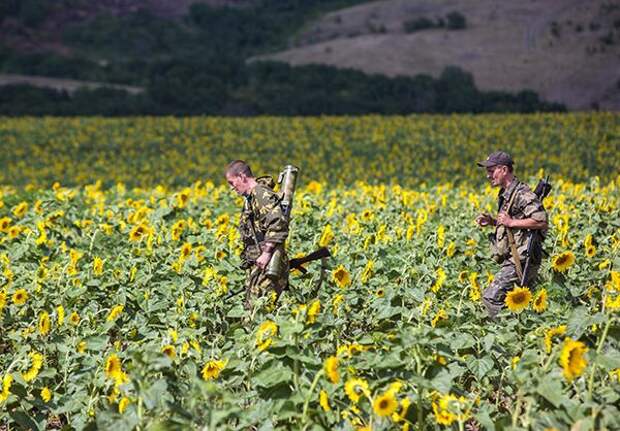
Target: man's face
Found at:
238, 183
496, 174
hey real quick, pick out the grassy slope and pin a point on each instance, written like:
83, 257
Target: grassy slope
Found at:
507, 45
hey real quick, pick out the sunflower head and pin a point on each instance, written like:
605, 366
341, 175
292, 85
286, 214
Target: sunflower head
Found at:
572, 359
540, 301
212, 369
331, 369
20, 297
563, 261
385, 404
169, 350
518, 299
355, 388
341, 277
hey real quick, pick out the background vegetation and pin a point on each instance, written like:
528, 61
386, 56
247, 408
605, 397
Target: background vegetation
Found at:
198, 65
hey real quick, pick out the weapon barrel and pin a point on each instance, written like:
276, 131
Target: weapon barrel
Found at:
315, 255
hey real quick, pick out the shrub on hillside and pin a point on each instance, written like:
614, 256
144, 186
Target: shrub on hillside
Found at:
417, 24
456, 21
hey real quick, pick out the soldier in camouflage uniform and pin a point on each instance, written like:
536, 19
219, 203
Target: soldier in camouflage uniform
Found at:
519, 210
263, 229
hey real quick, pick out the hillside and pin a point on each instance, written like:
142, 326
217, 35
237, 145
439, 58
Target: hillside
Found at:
191, 58
568, 51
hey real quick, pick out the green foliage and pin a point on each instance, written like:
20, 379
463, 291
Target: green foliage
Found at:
181, 88
417, 24
456, 21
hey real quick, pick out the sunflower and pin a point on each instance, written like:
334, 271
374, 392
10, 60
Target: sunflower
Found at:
441, 236
7, 381
113, 367
440, 279
138, 232
212, 369
380, 292
540, 301
331, 369
563, 261
385, 404
60, 314
122, 405
20, 297
36, 362
177, 229
20, 210
314, 187
186, 250
264, 336
474, 287
463, 276
611, 303
98, 266
115, 312
182, 198
404, 407
451, 249
44, 323
169, 350
342, 277
449, 408
326, 236
367, 272
5, 222
324, 401
550, 333
46, 394
313, 311
367, 215
441, 315
74, 318
572, 358
2, 299
355, 387
590, 251
518, 299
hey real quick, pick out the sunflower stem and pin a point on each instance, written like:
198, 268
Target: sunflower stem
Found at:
517, 410
420, 392
309, 394
598, 351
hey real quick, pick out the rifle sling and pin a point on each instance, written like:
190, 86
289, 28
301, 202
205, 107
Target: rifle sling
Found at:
511, 238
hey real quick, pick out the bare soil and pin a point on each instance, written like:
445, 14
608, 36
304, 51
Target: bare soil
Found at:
68, 85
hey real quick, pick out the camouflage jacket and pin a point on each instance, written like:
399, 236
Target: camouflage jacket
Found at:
525, 204
262, 209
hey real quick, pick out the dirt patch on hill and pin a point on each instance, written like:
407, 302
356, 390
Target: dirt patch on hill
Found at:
68, 85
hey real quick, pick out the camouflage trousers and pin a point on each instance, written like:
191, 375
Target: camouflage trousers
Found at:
503, 282
258, 285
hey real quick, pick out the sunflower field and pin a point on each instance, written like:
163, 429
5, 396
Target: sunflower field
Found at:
119, 279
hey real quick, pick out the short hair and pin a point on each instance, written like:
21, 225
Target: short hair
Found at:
238, 167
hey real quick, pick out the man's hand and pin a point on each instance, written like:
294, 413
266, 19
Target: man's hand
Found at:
485, 219
505, 219
263, 259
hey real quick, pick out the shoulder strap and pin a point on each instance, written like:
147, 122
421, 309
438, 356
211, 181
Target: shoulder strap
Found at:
511, 238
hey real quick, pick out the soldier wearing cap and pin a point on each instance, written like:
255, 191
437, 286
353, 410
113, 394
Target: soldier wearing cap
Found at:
519, 210
263, 227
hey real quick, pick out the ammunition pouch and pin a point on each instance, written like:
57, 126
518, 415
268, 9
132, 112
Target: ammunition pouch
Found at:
278, 265
500, 249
